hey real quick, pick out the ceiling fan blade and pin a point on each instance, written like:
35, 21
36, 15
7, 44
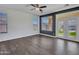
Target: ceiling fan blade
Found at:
33, 5
41, 10
37, 5
66, 4
43, 6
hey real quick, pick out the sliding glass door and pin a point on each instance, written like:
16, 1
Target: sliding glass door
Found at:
67, 25
63, 24
47, 25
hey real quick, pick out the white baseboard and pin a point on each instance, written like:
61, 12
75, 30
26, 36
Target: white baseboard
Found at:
18, 37
58, 37
47, 35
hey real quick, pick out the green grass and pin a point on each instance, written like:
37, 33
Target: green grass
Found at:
61, 33
72, 34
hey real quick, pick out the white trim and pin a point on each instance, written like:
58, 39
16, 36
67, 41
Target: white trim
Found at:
58, 37
18, 37
47, 35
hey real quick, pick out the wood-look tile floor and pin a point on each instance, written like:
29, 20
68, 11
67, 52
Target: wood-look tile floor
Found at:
38, 45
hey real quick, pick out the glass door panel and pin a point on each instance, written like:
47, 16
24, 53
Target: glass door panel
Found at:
67, 25
47, 25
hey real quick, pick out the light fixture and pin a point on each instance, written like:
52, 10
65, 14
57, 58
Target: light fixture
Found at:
37, 9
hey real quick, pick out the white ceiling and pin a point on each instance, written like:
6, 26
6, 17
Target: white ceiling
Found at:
27, 8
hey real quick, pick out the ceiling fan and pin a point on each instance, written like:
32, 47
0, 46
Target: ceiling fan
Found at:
37, 7
67, 5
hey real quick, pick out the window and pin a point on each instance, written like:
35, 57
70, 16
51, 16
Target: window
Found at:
3, 23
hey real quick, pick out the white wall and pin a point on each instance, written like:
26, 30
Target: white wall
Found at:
19, 24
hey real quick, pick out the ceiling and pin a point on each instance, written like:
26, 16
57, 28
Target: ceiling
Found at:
27, 8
